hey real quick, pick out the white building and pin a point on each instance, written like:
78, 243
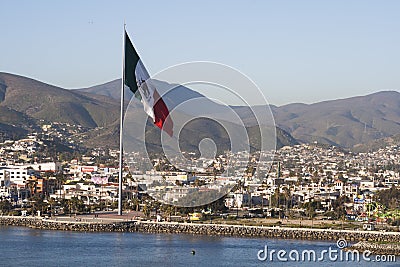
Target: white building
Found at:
47, 166
17, 174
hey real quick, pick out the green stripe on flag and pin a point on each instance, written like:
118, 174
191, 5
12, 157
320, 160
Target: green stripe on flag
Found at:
131, 60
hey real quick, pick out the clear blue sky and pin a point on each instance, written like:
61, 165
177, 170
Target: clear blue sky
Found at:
296, 51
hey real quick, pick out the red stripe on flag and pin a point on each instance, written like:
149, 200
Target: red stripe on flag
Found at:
161, 115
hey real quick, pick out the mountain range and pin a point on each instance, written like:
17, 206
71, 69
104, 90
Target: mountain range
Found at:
343, 122
27, 104
352, 122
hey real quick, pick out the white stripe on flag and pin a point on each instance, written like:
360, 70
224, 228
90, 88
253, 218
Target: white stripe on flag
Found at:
145, 88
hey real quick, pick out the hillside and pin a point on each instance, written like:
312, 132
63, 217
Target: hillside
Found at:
29, 98
374, 145
25, 104
110, 89
346, 122
342, 122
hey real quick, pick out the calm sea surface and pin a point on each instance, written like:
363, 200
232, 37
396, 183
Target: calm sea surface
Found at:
29, 247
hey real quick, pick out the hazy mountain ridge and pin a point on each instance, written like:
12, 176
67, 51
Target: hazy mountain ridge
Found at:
50, 103
342, 122
110, 89
378, 143
345, 122
25, 101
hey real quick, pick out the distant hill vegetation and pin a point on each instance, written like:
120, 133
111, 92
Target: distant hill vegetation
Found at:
372, 120
28, 98
26, 103
378, 143
345, 122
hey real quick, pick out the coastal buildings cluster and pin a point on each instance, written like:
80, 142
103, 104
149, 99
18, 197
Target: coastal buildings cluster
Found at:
306, 179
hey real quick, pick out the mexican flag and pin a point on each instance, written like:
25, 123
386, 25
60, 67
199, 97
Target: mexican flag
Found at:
138, 79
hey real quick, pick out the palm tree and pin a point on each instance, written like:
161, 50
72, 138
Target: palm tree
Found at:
288, 196
146, 211
37, 204
60, 178
5, 206
135, 202
52, 203
76, 205
168, 211
31, 183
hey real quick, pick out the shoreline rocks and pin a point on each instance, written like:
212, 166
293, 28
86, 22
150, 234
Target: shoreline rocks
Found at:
202, 229
375, 248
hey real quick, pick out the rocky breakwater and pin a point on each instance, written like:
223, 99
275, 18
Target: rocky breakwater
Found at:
377, 248
19, 221
200, 229
268, 232
81, 226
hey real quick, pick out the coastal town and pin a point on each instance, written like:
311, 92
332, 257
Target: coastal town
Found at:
200, 133
304, 182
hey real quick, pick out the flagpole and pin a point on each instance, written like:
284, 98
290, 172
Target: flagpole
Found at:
121, 126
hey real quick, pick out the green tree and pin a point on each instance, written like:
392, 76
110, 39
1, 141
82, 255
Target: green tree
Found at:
338, 207
146, 211
135, 203
38, 204
310, 208
389, 197
5, 206
76, 205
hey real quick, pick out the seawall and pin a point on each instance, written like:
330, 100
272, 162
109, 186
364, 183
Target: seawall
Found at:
202, 229
393, 249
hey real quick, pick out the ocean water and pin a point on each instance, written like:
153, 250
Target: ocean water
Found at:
21, 246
